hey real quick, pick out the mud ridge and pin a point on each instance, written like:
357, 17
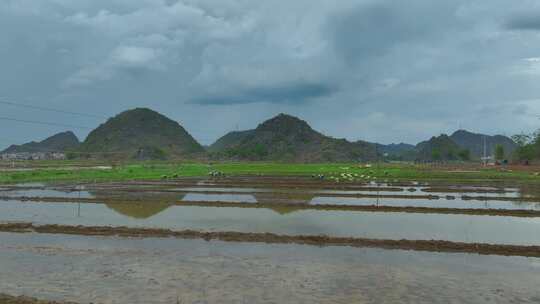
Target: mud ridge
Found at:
270, 238
7, 299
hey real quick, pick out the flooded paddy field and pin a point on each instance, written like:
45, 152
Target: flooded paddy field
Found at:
277, 239
305, 193
372, 225
145, 270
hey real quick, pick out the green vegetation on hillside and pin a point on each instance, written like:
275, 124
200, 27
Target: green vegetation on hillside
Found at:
288, 138
143, 134
441, 148
476, 143
140, 134
60, 142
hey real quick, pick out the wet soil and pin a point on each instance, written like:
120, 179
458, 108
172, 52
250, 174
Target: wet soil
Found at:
270, 238
7, 299
88, 269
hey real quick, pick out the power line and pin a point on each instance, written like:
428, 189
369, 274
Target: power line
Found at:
43, 123
3, 101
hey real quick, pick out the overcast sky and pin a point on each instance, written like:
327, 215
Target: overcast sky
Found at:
386, 71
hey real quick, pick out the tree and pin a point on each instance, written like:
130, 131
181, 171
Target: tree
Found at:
529, 146
436, 154
465, 154
451, 155
522, 139
536, 138
499, 152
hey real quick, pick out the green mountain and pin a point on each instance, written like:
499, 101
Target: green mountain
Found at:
60, 142
438, 148
229, 140
143, 134
475, 143
401, 151
288, 138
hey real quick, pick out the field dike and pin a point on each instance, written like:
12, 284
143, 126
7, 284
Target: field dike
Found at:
270, 238
7, 299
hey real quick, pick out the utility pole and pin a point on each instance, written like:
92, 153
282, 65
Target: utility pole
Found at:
485, 151
377, 156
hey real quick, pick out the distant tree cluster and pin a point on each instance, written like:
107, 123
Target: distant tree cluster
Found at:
528, 146
256, 152
499, 152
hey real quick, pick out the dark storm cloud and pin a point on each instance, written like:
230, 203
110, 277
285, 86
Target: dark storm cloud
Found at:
373, 29
403, 70
296, 93
524, 21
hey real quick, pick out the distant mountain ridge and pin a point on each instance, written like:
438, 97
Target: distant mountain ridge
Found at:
228, 140
395, 149
61, 142
286, 137
462, 145
474, 142
438, 148
143, 134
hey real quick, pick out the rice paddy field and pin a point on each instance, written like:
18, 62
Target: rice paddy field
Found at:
268, 233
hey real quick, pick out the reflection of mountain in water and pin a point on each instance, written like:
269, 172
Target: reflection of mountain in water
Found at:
277, 201
147, 205
529, 191
284, 210
139, 210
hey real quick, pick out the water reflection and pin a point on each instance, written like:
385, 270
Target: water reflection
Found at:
454, 203
233, 198
284, 210
381, 225
47, 193
289, 198
139, 210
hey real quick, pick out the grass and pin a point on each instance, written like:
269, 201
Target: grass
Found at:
69, 171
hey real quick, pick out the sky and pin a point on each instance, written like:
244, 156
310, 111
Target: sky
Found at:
384, 71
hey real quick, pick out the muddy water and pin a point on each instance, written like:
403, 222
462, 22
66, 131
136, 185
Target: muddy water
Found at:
424, 191
115, 270
507, 192
456, 203
233, 198
47, 193
380, 225
219, 189
267, 196
293, 197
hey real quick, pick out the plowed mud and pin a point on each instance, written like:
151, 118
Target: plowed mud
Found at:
7, 299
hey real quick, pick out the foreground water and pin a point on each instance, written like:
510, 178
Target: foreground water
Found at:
380, 225
119, 270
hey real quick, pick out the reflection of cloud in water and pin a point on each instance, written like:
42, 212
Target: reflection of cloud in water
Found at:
139, 210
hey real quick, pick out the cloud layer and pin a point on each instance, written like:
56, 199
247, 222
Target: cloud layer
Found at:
362, 69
